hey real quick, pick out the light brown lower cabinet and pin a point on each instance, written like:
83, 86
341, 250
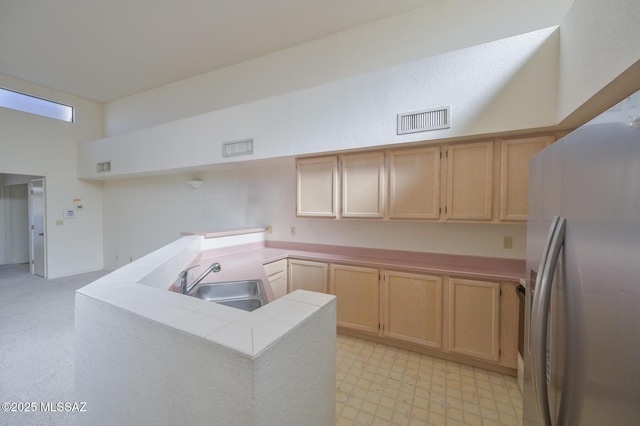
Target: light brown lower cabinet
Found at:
357, 291
462, 319
308, 275
474, 318
277, 275
412, 308
482, 320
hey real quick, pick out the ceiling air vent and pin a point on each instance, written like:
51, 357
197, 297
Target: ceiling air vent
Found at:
104, 167
232, 149
422, 121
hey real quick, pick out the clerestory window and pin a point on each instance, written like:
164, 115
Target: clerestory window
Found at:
31, 104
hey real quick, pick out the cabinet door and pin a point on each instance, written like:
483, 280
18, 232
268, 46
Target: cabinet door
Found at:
414, 184
358, 299
474, 318
514, 174
278, 283
308, 275
509, 316
469, 181
363, 185
413, 308
317, 187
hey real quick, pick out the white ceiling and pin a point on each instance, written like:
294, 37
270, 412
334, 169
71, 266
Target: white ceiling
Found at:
105, 50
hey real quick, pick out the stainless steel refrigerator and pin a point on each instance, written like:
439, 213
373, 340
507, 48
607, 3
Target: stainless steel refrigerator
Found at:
582, 305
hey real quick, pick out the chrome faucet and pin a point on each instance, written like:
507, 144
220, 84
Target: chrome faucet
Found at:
183, 276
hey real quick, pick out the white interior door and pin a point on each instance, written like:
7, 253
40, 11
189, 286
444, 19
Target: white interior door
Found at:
38, 237
17, 214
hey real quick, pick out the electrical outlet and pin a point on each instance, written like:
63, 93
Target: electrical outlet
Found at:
507, 242
269, 229
293, 230
59, 222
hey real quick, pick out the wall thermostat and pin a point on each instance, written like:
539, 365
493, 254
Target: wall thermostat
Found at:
69, 214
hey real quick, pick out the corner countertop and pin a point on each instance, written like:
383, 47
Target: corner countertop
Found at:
141, 287
246, 262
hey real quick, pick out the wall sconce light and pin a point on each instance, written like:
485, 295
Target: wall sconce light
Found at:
195, 184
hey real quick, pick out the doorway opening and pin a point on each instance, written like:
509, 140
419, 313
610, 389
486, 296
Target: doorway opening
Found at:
22, 214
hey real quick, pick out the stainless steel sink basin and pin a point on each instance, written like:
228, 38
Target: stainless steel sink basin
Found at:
247, 294
245, 304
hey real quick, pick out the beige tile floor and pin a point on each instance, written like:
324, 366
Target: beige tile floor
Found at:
382, 385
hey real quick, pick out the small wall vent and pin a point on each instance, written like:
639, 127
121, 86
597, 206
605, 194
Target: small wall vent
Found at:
104, 167
232, 149
425, 120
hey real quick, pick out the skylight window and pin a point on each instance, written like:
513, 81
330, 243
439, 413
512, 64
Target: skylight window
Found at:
31, 104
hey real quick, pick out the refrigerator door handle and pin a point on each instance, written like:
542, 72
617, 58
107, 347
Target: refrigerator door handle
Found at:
540, 318
543, 264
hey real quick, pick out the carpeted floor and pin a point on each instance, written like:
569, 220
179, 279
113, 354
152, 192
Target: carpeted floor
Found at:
36, 343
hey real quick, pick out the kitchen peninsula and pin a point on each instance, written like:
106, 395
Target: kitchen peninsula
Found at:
146, 355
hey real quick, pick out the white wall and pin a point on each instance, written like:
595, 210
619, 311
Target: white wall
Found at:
438, 28
599, 40
508, 84
146, 213
40, 146
320, 78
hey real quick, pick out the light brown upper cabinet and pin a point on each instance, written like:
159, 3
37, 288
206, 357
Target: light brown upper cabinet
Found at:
469, 181
514, 174
317, 187
363, 185
414, 183
464, 182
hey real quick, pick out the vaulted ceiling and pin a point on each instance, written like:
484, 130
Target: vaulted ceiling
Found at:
105, 50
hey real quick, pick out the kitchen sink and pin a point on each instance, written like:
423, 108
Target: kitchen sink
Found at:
246, 294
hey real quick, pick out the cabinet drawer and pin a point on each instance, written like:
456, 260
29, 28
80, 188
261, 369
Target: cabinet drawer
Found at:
275, 267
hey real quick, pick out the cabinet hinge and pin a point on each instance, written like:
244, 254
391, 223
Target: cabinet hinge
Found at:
446, 153
33, 227
499, 351
500, 292
440, 154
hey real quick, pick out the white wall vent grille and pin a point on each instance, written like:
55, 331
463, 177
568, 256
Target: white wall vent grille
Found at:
232, 149
104, 167
422, 121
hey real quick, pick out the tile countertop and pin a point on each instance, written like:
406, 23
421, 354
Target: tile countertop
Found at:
140, 288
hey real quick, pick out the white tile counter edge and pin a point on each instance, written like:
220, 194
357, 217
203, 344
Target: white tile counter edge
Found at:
140, 288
